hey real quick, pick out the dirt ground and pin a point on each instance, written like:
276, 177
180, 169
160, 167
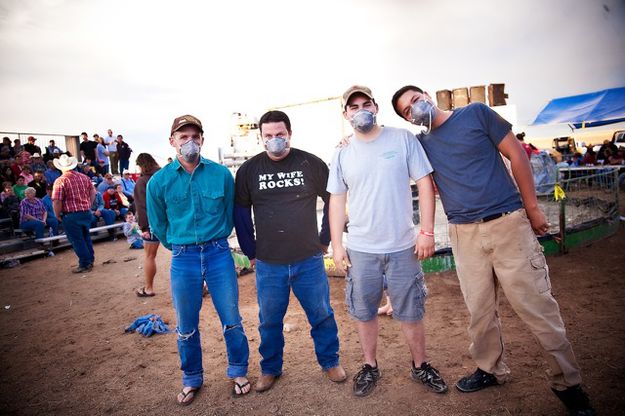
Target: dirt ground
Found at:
63, 350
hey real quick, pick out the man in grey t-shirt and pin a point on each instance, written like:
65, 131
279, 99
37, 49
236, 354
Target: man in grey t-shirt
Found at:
374, 171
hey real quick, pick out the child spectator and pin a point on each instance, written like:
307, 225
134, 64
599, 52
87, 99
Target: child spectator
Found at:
132, 232
19, 187
4, 193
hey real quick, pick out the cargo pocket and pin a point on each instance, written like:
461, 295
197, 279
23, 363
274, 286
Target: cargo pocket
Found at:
422, 289
541, 273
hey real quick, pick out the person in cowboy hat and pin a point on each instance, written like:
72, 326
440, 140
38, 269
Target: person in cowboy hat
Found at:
72, 196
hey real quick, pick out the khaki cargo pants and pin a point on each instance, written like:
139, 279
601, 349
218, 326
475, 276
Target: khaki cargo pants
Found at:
505, 251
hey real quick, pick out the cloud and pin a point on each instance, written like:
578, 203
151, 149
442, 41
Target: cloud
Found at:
134, 66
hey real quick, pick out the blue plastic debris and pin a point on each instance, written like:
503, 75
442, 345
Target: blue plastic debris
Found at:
148, 325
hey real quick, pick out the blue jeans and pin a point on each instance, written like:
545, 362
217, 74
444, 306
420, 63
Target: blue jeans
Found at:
53, 223
108, 215
76, 225
31, 225
123, 165
309, 282
137, 244
191, 265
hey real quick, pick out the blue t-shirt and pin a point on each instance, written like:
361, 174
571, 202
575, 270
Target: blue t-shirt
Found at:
101, 155
471, 177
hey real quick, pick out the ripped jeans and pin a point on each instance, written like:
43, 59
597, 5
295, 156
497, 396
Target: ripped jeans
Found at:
191, 265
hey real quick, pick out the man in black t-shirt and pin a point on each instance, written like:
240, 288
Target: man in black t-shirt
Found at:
87, 147
31, 147
282, 185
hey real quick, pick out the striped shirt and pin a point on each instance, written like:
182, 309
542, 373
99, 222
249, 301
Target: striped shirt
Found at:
74, 190
34, 208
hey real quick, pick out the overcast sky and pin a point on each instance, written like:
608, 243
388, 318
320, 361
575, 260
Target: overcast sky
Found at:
132, 66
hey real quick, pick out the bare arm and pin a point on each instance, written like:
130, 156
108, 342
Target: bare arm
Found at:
425, 243
337, 224
512, 150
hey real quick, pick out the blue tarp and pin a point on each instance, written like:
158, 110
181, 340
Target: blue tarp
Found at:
593, 109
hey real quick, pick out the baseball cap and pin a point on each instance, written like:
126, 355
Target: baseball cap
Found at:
186, 120
356, 89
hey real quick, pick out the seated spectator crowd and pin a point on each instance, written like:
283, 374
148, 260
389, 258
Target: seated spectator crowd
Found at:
27, 176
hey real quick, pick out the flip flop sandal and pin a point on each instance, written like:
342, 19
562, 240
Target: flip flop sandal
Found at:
143, 294
241, 387
191, 393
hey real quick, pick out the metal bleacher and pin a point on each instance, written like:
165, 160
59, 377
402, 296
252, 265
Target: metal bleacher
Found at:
17, 244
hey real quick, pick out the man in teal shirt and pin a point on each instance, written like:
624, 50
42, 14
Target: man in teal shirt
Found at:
190, 210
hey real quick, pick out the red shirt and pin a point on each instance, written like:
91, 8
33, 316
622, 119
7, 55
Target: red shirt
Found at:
74, 190
112, 201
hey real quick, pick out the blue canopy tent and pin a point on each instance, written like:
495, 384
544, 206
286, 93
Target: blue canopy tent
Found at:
587, 110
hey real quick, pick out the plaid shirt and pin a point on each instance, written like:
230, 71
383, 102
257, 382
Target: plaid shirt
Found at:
34, 208
74, 190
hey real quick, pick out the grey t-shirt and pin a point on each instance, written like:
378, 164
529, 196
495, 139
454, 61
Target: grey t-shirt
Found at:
376, 177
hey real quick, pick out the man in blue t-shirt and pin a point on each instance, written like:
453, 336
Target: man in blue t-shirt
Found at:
492, 227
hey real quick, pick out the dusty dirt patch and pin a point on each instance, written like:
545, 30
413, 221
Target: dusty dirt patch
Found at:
63, 350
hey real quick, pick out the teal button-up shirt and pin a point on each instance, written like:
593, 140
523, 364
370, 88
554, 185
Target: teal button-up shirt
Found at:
192, 208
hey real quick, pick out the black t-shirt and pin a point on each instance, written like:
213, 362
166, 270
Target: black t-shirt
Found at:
123, 150
40, 188
284, 195
88, 148
32, 148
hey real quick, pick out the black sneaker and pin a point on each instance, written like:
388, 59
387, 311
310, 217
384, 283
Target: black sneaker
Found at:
576, 401
476, 381
365, 380
429, 376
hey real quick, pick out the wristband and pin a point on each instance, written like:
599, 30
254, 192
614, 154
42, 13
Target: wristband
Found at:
429, 234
